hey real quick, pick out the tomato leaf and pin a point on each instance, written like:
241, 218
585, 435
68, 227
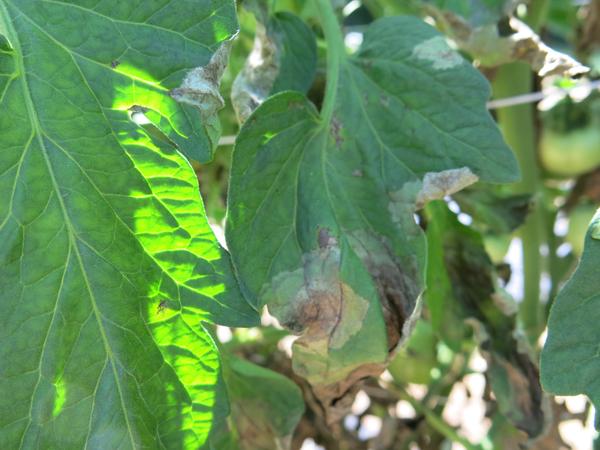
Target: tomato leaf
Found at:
107, 262
493, 210
335, 252
265, 407
464, 294
284, 57
569, 360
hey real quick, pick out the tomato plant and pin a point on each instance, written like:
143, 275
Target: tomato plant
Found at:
287, 224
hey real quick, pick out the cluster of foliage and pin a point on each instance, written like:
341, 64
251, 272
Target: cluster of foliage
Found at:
367, 209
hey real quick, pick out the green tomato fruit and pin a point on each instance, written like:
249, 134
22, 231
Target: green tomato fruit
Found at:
570, 154
579, 220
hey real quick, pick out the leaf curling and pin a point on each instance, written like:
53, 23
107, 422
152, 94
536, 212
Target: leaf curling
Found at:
200, 87
492, 48
283, 57
437, 185
255, 81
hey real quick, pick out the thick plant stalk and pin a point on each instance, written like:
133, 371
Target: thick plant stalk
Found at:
335, 49
518, 127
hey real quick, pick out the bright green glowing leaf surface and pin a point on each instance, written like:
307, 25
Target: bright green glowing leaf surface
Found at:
107, 263
570, 362
329, 204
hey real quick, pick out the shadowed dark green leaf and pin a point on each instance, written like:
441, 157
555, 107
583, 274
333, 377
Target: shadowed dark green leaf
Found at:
464, 295
265, 408
492, 210
570, 361
335, 252
107, 262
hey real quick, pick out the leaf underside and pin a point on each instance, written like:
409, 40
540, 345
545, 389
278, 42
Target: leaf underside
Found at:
107, 262
335, 252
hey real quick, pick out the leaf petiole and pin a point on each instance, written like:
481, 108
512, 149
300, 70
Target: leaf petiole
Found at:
335, 54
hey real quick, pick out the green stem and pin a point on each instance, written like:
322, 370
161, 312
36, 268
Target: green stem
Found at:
536, 14
518, 127
436, 422
335, 54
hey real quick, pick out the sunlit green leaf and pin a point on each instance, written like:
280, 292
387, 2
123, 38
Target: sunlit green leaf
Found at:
107, 263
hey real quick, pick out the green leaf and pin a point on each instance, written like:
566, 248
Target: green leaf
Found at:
569, 362
494, 211
107, 262
464, 294
284, 57
328, 202
265, 407
414, 362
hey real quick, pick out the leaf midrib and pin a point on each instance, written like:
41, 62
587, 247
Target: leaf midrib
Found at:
37, 130
72, 54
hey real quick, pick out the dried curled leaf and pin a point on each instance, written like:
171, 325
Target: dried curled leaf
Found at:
491, 48
436, 185
253, 84
200, 87
284, 57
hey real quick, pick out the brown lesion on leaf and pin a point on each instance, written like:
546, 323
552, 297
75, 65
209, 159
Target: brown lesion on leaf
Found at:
325, 239
200, 87
336, 131
398, 284
524, 391
317, 303
436, 185
513, 373
510, 40
254, 83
